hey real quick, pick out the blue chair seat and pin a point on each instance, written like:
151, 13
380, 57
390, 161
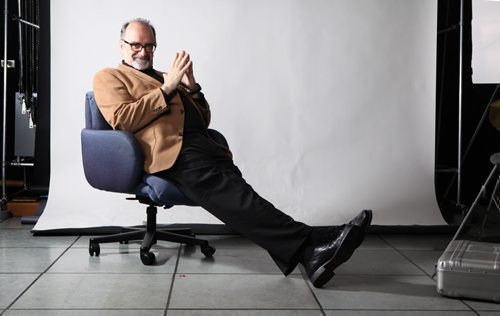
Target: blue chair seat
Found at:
161, 191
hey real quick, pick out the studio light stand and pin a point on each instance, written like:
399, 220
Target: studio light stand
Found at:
4, 212
459, 204
457, 172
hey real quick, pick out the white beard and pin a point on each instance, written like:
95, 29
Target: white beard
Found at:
142, 63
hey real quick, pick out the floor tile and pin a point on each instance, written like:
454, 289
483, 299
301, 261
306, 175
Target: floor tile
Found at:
374, 292
244, 313
229, 241
425, 259
388, 262
241, 291
230, 260
12, 285
398, 313
418, 242
18, 238
83, 242
97, 291
78, 260
226, 241
52, 312
374, 242
483, 305
15, 222
21, 260
387, 275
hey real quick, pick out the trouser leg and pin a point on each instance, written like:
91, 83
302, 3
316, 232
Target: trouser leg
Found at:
220, 189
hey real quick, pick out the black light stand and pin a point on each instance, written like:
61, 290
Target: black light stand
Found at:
459, 207
4, 212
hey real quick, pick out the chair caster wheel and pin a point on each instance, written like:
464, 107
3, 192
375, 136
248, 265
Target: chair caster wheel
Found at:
207, 250
148, 258
94, 249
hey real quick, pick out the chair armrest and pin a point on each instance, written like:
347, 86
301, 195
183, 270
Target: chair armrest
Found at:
112, 160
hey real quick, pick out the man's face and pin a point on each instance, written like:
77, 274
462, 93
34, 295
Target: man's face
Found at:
137, 33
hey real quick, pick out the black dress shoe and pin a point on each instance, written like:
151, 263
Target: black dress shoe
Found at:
362, 220
326, 257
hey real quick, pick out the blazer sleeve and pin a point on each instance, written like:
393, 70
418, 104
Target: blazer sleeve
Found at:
120, 108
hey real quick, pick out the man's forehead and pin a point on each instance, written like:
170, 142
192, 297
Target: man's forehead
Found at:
138, 31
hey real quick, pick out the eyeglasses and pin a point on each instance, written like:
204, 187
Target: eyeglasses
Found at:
137, 47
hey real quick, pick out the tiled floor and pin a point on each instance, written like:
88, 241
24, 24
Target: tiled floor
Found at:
388, 275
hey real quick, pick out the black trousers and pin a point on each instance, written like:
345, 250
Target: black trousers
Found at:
207, 176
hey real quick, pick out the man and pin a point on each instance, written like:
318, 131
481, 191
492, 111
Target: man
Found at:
169, 116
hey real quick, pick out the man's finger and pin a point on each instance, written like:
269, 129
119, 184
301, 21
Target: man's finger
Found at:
174, 60
186, 67
185, 58
181, 59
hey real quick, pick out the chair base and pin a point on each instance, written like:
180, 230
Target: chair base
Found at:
149, 236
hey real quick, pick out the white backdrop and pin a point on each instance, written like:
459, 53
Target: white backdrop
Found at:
486, 41
328, 105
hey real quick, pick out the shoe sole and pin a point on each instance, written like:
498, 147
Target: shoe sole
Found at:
325, 272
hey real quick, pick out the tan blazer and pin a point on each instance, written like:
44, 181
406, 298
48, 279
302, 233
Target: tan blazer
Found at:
133, 101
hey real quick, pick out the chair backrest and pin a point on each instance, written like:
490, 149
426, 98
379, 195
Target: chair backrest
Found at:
112, 159
93, 116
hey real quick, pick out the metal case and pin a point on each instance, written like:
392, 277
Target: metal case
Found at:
470, 269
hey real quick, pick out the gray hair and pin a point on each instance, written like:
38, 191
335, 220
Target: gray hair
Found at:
137, 20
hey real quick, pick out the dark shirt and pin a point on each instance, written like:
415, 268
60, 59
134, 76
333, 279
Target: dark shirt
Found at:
193, 122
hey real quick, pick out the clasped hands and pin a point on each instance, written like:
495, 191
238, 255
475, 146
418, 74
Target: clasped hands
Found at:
181, 71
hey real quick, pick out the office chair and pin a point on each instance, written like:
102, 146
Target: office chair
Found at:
113, 161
